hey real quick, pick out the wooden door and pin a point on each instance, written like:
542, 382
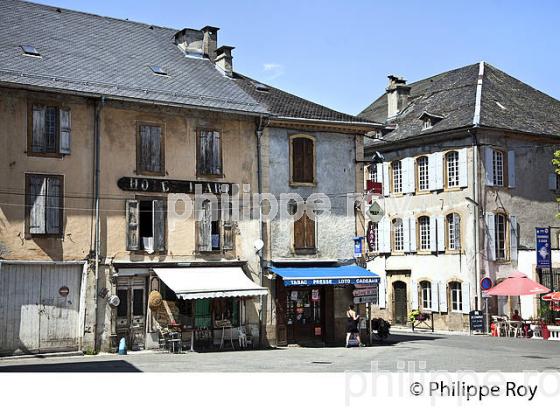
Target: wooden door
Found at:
400, 310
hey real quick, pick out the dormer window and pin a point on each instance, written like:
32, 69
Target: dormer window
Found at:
427, 123
429, 120
30, 51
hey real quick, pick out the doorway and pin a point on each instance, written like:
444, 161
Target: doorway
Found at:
305, 315
131, 312
400, 308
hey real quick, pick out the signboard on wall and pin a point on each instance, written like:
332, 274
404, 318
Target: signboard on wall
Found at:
542, 247
337, 281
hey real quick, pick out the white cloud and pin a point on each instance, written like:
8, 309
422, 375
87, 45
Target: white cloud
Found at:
274, 70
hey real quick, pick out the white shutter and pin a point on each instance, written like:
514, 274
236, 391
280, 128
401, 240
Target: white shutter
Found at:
431, 172
414, 294
384, 235
513, 238
37, 204
466, 296
406, 234
433, 230
440, 233
511, 169
412, 233
386, 179
491, 236
65, 131
463, 169
383, 292
552, 182
412, 175
442, 296
489, 166
438, 164
435, 297
379, 172
408, 175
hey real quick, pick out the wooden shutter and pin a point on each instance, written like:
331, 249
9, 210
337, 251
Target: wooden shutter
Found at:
491, 236
297, 160
489, 165
412, 233
36, 203
442, 293
463, 168
466, 297
54, 205
440, 233
406, 234
438, 170
511, 169
414, 294
132, 225
158, 224
209, 153
216, 158
38, 140
65, 131
201, 157
308, 160
513, 238
433, 234
309, 232
228, 236
150, 149
385, 179
299, 233
435, 297
204, 227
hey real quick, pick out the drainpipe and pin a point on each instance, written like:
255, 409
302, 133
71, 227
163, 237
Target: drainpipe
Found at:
97, 137
259, 132
476, 219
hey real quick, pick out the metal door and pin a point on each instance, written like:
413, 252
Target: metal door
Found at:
34, 315
400, 310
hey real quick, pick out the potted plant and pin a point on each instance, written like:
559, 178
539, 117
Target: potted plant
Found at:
417, 315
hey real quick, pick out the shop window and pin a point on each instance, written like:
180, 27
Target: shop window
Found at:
209, 153
49, 130
303, 160
424, 239
423, 175
456, 296
45, 205
396, 176
453, 222
452, 169
150, 150
398, 235
304, 307
225, 311
426, 294
146, 221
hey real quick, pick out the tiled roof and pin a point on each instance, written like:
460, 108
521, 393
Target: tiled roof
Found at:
506, 103
98, 55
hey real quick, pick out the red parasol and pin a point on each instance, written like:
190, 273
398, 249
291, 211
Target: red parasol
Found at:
552, 296
517, 284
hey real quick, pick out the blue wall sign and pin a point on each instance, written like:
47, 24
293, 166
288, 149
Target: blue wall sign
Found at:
334, 281
358, 247
542, 246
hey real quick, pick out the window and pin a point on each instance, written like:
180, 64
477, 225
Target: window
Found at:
427, 123
146, 220
150, 150
398, 235
209, 158
456, 296
49, 130
396, 176
424, 233
303, 160
45, 204
30, 50
372, 173
500, 225
373, 236
498, 167
422, 173
452, 168
453, 230
304, 234
214, 233
159, 70
426, 295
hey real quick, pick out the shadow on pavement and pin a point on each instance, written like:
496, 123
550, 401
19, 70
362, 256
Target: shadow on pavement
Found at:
109, 366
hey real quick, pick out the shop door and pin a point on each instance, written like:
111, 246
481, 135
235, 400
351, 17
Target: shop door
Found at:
131, 312
400, 312
304, 315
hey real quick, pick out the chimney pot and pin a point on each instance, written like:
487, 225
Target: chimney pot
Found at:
209, 42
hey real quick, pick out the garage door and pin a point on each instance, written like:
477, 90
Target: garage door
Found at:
39, 308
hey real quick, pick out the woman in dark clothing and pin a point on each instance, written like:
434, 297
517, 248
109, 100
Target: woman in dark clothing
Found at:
352, 324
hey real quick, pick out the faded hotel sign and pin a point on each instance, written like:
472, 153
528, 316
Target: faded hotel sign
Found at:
174, 186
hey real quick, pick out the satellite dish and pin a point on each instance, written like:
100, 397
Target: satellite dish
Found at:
114, 301
258, 244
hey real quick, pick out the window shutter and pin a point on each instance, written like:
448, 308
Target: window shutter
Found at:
158, 224
491, 236
308, 160
379, 176
297, 160
216, 153
514, 238
145, 148
435, 297
440, 233
386, 179
438, 171
205, 227
431, 172
228, 236
511, 169
201, 158
299, 232
466, 297
38, 139
406, 234
412, 233
383, 292
407, 175
433, 234
383, 235
552, 181
65, 131
37, 200
463, 168
54, 203
132, 223
155, 150
414, 294
442, 290
309, 232
489, 166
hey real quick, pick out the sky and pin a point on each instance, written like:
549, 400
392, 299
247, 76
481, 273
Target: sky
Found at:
339, 53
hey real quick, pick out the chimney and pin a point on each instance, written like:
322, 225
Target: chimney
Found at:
397, 95
224, 60
210, 42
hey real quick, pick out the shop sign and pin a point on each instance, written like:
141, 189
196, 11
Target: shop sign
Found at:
317, 331
375, 212
366, 299
315, 295
172, 186
364, 291
357, 247
542, 240
338, 281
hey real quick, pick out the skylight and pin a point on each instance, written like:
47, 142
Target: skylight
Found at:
159, 70
262, 87
30, 50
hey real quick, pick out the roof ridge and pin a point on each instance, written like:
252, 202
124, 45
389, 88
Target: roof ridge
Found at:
478, 95
64, 9
439, 74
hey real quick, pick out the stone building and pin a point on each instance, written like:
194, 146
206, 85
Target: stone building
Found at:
466, 176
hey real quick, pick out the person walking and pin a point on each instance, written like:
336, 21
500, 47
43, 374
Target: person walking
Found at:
352, 324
